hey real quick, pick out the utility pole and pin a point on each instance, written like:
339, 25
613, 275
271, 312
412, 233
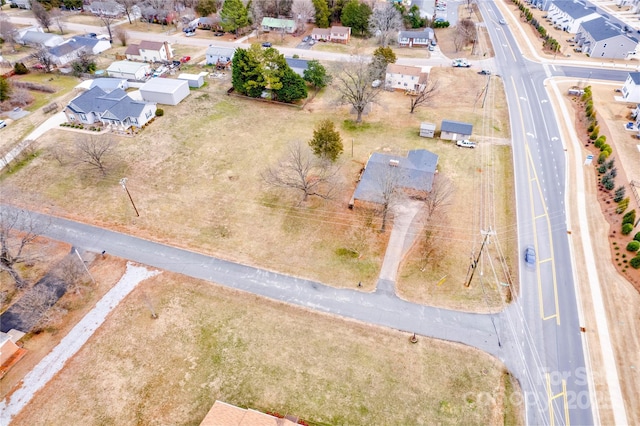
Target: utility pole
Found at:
85, 266
123, 182
477, 259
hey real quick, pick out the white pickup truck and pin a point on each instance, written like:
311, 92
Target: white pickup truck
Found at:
460, 62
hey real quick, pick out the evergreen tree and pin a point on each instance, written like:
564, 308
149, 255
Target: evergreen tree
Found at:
316, 74
246, 77
293, 86
322, 13
234, 15
5, 89
356, 15
326, 142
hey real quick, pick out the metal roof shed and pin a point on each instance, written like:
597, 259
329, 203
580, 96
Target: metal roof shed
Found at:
166, 91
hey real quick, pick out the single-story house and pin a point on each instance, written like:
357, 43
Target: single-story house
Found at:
569, 15
299, 66
70, 50
598, 39
149, 51
167, 91
7, 348
340, 34
130, 70
427, 130
105, 83
412, 174
39, 38
405, 77
220, 56
105, 8
225, 414
455, 130
22, 4
194, 80
631, 88
277, 24
415, 38
114, 108
336, 34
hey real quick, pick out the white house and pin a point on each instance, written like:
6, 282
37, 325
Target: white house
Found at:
631, 88
105, 8
149, 51
113, 108
22, 4
165, 91
220, 56
107, 84
194, 80
405, 77
336, 34
415, 38
39, 38
598, 39
129, 70
69, 51
568, 15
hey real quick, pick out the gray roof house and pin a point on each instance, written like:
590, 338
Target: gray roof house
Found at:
298, 65
21, 4
455, 130
220, 56
415, 38
568, 15
38, 38
598, 39
415, 174
114, 108
631, 88
67, 52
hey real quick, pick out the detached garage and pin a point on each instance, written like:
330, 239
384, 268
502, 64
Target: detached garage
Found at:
166, 91
194, 80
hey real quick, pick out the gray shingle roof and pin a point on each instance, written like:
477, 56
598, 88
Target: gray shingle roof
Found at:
599, 29
297, 65
635, 76
426, 33
456, 127
575, 10
113, 105
415, 171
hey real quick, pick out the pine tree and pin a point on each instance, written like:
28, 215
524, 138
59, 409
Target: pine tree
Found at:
234, 15
326, 142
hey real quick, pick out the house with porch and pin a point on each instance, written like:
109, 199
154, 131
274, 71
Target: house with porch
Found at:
415, 38
221, 57
336, 34
276, 24
115, 108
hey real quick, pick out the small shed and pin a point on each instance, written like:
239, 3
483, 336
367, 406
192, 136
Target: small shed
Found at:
427, 130
455, 130
166, 91
194, 80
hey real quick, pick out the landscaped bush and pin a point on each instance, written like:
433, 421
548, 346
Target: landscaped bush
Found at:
594, 135
598, 142
633, 246
619, 194
159, 112
622, 206
602, 157
637, 237
635, 262
20, 68
602, 168
626, 229
629, 217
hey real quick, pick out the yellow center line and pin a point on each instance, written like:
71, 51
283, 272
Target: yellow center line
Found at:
531, 171
545, 260
552, 397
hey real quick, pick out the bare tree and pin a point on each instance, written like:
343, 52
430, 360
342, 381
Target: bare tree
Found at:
121, 34
21, 97
41, 14
72, 272
58, 19
465, 34
44, 58
108, 20
354, 83
436, 203
389, 182
385, 22
127, 6
7, 31
18, 229
423, 95
95, 152
440, 195
433, 241
302, 11
36, 306
299, 169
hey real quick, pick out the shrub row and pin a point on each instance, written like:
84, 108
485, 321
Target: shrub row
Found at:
34, 86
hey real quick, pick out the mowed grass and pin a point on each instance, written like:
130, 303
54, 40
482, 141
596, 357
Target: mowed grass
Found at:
210, 343
195, 176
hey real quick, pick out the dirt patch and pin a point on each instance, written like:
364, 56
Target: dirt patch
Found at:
220, 344
482, 49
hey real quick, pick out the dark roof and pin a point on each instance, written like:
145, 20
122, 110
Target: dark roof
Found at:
635, 76
426, 33
415, 171
298, 65
113, 105
575, 10
599, 30
74, 45
456, 127
133, 49
151, 45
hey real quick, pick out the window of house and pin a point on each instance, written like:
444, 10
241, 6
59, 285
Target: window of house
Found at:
83, 116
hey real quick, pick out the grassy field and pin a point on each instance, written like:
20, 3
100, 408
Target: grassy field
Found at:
195, 177
210, 343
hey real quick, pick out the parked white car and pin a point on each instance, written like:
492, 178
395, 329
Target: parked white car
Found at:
466, 143
3, 124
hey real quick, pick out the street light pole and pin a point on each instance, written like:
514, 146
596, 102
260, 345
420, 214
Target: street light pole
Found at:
123, 182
